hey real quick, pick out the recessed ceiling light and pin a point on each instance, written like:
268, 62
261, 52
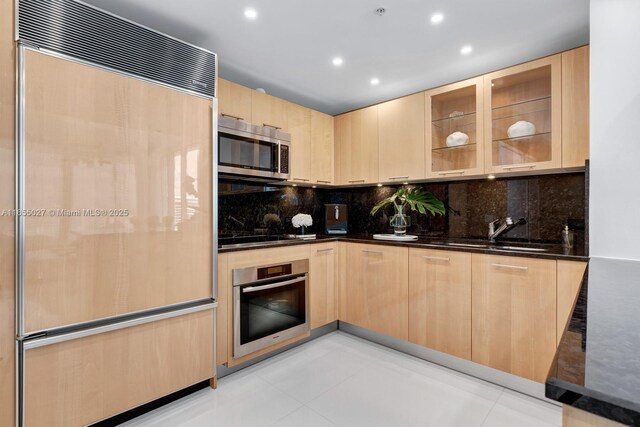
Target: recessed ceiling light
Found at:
337, 61
250, 13
375, 81
466, 50
437, 18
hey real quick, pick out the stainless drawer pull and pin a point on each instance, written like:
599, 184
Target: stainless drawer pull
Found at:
273, 285
300, 179
452, 173
356, 180
271, 126
436, 258
512, 267
233, 117
530, 166
399, 177
370, 251
324, 250
323, 182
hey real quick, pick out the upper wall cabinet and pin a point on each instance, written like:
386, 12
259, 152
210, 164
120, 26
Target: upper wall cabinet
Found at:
401, 144
322, 153
523, 123
268, 110
299, 126
575, 107
454, 129
234, 100
356, 139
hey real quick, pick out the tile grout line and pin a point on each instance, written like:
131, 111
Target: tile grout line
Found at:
492, 408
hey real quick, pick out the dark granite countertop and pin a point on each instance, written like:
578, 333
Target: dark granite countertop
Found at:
551, 251
597, 365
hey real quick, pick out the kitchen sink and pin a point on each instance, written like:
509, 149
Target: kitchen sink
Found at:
522, 248
467, 245
494, 246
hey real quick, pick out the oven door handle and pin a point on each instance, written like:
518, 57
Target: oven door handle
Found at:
273, 285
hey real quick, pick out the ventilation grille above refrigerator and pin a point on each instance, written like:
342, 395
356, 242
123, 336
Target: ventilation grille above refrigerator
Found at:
90, 34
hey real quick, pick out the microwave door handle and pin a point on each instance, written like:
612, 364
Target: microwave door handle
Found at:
278, 154
272, 285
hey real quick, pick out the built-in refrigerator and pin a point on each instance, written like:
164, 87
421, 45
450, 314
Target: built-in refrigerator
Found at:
116, 193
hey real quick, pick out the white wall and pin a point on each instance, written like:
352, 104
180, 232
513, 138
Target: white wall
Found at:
614, 214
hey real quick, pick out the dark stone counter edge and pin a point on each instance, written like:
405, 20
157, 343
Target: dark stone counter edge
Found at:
591, 401
420, 245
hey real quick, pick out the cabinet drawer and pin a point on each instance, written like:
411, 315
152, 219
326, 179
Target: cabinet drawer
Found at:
78, 382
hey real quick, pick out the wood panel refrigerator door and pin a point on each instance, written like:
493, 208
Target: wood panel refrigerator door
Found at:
122, 170
78, 382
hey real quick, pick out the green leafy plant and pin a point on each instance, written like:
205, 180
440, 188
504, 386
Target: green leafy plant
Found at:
417, 199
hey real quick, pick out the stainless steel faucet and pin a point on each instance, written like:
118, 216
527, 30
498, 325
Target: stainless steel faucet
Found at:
506, 226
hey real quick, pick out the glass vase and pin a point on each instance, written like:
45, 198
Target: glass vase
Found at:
399, 221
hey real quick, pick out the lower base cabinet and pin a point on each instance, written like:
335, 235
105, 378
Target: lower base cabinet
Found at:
514, 314
323, 279
374, 291
79, 382
440, 301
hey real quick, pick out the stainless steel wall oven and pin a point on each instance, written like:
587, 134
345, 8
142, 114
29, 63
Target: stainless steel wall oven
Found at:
270, 305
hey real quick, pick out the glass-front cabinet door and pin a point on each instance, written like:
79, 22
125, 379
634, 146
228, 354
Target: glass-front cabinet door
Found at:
454, 129
523, 117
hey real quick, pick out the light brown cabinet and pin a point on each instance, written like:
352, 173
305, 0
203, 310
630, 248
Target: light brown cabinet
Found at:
234, 100
575, 107
79, 382
457, 107
440, 300
322, 152
569, 275
401, 139
323, 278
356, 146
374, 291
523, 121
128, 147
222, 312
514, 314
267, 110
299, 126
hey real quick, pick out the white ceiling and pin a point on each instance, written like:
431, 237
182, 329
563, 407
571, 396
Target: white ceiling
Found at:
288, 49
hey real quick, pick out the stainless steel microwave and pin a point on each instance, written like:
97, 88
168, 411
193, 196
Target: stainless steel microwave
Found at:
256, 152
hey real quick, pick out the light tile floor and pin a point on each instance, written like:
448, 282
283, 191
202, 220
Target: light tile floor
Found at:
341, 380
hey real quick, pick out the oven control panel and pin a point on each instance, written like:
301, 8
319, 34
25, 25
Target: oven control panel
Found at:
274, 271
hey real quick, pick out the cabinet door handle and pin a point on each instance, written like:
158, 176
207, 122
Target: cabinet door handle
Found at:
370, 251
230, 116
436, 258
452, 173
509, 167
271, 126
323, 182
300, 179
399, 177
324, 250
356, 180
512, 267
